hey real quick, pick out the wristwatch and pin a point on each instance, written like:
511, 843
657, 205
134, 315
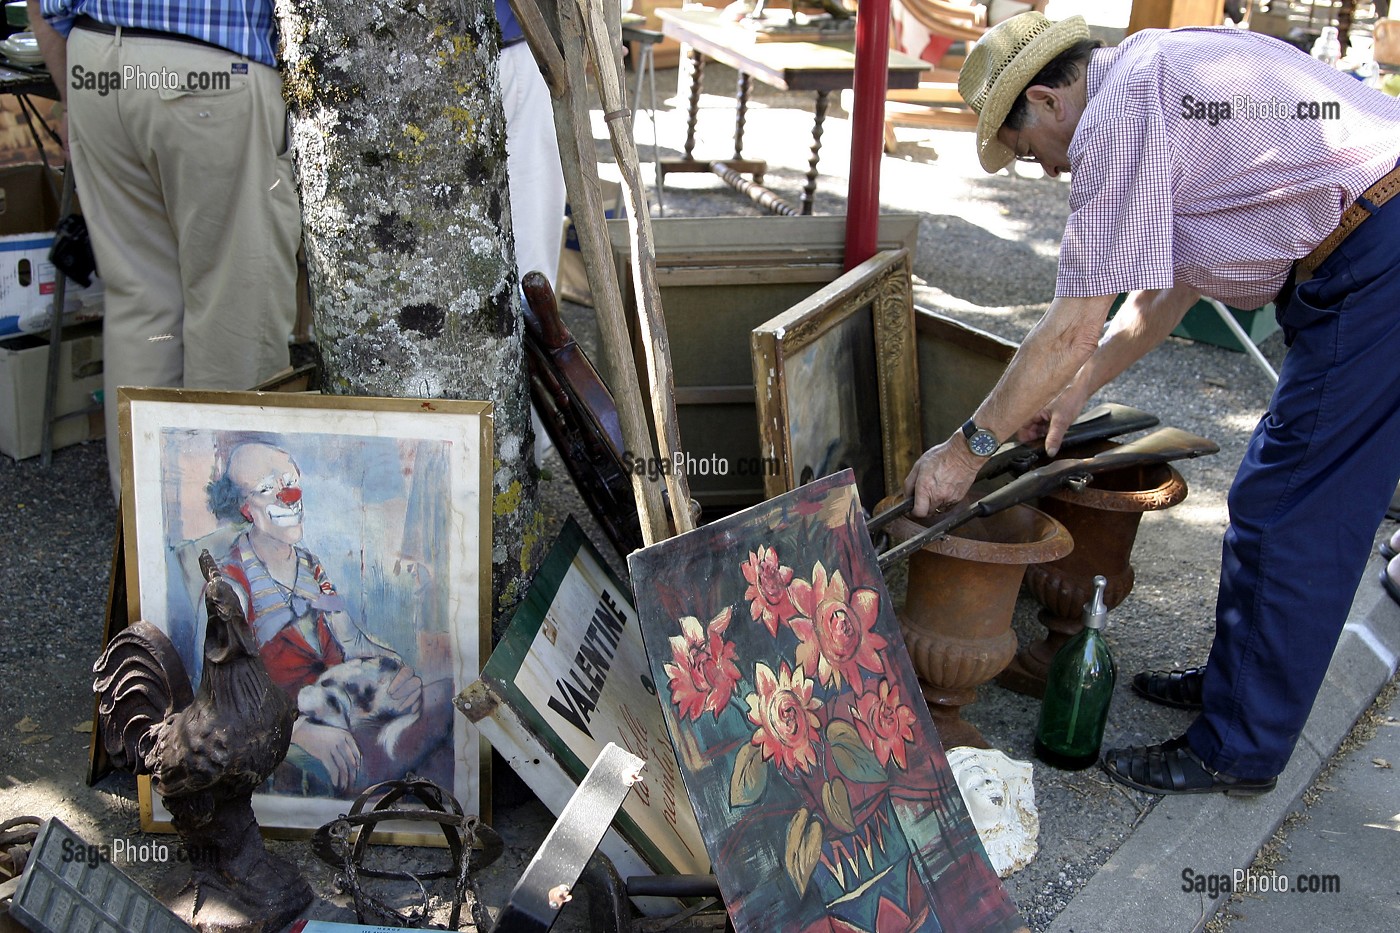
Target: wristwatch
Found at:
980, 441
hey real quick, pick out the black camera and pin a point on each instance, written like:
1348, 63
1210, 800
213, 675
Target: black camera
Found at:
71, 252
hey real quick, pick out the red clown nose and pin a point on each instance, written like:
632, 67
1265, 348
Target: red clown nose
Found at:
290, 495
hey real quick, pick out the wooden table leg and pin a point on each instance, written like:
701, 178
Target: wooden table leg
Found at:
689, 163
809, 191
757, 193
741, 112
697, 73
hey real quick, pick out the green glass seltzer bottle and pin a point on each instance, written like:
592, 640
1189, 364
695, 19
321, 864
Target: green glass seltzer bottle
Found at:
1078, 688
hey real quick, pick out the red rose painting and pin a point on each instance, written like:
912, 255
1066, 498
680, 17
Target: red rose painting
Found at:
703, 674
782, 709
767, 592
794, 729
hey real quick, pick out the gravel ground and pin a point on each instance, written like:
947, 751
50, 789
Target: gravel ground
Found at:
986, 254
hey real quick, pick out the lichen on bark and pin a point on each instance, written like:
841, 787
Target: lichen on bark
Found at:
399, 138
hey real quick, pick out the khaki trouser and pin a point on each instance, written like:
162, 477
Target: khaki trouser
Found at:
193, 213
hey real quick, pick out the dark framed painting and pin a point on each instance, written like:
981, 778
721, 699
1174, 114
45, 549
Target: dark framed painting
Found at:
821, 788
356, 532
838, 383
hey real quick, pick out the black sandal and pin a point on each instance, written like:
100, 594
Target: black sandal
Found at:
1173, 768
1177, 689
1392, 588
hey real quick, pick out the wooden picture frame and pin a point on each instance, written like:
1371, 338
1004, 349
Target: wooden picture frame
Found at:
816, 365
720, 278
387, 539
571, 675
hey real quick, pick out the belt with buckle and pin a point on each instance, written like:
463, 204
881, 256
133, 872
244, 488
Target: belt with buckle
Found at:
1376, 195
136, 32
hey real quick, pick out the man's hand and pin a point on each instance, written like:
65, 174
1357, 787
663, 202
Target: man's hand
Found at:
942, 476
1052, 421
333, 747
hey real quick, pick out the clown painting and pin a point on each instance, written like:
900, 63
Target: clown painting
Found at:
340, 547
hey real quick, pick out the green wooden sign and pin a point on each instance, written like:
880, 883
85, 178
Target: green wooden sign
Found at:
571, 675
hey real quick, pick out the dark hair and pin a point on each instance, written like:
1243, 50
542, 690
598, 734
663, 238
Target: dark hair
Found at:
1061, 71
225, 496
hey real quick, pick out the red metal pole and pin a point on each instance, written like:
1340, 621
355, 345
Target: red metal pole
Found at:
867, 130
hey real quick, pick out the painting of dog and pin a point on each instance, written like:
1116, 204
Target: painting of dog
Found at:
353, 695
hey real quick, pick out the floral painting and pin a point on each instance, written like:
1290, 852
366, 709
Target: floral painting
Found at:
818, 780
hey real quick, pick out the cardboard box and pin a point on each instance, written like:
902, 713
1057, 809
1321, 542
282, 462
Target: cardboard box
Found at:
24, 364
28, 215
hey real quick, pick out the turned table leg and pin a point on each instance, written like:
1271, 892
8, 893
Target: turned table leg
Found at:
809, 191
697, 72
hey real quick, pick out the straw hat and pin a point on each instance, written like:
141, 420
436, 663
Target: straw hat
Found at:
1001, 66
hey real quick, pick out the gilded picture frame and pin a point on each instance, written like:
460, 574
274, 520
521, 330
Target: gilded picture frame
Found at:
717, 282
838, 384
382, 509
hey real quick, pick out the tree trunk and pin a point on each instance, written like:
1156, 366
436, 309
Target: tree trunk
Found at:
399, 138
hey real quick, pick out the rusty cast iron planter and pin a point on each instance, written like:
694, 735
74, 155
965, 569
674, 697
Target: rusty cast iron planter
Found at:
1103, 517
957, 614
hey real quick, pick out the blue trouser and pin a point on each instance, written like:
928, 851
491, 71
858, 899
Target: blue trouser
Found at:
1310, 492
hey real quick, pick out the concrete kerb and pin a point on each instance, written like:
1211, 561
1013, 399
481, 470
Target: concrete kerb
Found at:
1140, 886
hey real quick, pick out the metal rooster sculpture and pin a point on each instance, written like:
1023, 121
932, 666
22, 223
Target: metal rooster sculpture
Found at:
206, 754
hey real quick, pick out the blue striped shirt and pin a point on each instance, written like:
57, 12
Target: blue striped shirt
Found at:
246, 27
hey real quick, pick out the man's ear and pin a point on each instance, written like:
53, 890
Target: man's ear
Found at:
1040, 98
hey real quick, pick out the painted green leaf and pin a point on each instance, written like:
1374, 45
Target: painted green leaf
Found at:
750, 777
852, 757
836, 800
803, 850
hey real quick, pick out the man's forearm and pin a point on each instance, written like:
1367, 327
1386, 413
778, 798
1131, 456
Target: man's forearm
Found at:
1144, 321
53, 47
1051, 355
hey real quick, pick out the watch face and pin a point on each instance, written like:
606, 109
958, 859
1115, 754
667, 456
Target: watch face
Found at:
983, 443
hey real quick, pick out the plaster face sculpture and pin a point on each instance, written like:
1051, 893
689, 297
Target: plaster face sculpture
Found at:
999, 795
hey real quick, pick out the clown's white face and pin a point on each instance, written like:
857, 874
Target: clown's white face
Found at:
271, 484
